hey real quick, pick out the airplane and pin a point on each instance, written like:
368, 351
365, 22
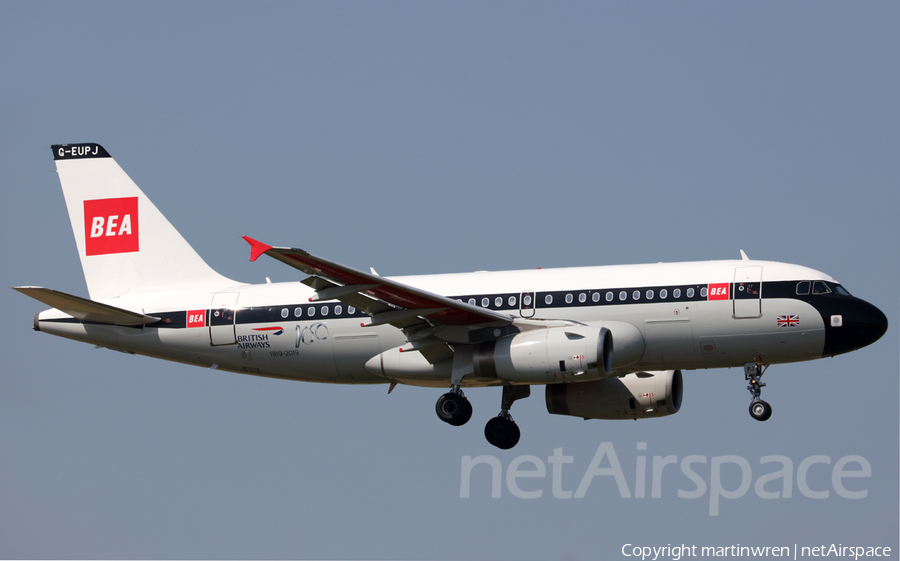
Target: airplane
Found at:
606, 342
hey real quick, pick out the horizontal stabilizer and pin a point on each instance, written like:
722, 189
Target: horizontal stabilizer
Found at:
84, 309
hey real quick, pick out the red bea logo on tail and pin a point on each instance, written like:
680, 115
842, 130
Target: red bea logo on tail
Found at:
111, 226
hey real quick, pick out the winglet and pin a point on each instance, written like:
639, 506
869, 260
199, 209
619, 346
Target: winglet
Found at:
744, 256
256, 248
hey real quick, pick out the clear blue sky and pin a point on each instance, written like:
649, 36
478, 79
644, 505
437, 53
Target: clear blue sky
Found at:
428, 138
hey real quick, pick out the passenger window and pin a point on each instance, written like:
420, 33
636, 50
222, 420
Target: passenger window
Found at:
284, 312
498, 301
582, 297
623, 295
526, 300
690, 293
663, 293
803, 288
485, 302
676, 293
337, 310
609, 297
512, 301
471, 301
568, 298
351, 310
636, 295
311, 311
324, 311
649, 295
596, 296
298, 311
820, 287
548, 299
703, 292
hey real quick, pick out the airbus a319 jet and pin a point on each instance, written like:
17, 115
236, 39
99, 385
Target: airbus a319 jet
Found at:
606, 342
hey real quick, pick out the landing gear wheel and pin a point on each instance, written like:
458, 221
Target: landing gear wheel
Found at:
454, 408
760, 410
502, 432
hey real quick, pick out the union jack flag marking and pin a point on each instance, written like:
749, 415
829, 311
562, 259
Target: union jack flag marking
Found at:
788, 321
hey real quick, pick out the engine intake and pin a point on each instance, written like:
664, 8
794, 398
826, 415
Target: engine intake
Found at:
547, 355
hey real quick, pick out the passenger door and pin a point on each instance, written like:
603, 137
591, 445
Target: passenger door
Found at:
221, 318
747, 292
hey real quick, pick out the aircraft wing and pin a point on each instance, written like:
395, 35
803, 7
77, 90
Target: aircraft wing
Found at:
392, 302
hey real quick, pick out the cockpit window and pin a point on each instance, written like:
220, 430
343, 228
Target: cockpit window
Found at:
838, 288
803, 287
819, 287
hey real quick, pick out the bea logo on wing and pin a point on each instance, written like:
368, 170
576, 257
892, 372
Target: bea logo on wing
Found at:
111, 226
718, 291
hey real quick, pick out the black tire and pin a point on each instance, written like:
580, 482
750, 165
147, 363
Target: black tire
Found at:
453, 409
516, 434
468, 412
760, 410
502, 433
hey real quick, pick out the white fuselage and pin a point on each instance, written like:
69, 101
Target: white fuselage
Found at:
690, 315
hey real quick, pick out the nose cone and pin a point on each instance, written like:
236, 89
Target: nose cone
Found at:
852, 325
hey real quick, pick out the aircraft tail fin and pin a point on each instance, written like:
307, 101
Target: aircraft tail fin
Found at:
125, 243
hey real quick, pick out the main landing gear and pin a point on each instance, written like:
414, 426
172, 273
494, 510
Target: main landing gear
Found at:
759, 409
454, 408
502, 431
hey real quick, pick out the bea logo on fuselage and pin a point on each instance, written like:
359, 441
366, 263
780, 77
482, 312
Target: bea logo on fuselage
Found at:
111, 226
718, 291
196, 318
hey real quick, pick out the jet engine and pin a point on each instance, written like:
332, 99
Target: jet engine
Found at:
547, 355
633, 396
538, 356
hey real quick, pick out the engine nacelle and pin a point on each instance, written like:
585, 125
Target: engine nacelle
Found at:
542, 356
629, 343
538, 356
634, 396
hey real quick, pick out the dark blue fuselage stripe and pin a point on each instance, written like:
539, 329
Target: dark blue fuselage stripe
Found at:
509, 302
320, 311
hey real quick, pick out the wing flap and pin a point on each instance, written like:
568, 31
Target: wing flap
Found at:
83, 309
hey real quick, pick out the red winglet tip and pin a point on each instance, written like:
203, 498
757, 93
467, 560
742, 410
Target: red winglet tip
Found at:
257, 248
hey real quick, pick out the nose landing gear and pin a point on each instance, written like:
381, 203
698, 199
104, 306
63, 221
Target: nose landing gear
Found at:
759, 409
